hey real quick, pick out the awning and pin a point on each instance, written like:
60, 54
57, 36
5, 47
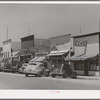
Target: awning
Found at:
81, 58
73, 58
15, 54
86, 57
92, 50
58, 53
38, 59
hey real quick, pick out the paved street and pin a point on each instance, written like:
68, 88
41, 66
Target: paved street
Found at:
19, 81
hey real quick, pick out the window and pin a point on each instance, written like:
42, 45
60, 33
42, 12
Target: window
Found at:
59, 60
54, 60
41, 65
4, 54
79, 66
32, 64
93, 66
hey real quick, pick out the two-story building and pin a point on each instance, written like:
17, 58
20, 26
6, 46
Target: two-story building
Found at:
9, 48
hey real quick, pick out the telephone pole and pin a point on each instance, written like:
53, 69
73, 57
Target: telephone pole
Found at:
7, 33
80, 30
99, 47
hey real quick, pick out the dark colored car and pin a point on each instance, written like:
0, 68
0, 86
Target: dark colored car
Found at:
16, 65
63, 70
7, 67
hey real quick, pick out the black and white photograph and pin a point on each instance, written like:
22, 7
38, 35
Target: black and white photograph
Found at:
49, 46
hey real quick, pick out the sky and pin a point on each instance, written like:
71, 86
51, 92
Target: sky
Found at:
47, 20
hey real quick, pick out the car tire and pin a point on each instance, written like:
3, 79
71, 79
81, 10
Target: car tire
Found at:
26, 75
74, 75
36, 75
40, 74
53, 76
47, 74
64, 75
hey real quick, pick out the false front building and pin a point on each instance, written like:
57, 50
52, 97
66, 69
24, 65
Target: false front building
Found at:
86, 54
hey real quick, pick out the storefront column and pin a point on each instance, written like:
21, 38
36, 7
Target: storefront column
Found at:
99, 53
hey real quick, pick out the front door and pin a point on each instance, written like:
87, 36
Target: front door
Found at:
85, 68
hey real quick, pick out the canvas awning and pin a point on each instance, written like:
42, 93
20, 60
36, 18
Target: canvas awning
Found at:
58, 53
92, 50
80, 58
73, 58
38, 59
15, 54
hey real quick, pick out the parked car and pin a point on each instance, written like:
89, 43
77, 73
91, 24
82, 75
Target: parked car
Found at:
16, 65
7, 67
2, 66
21, 70
34, 68
63, 70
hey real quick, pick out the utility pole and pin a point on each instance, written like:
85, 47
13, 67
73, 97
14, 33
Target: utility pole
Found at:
99, 47
99, 24
80, 30
7, 33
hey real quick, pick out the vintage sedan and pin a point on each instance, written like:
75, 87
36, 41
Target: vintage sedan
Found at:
34, 68
63, 70
21, 70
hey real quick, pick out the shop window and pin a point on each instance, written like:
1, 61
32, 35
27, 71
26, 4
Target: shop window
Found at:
79, 66
54, 60
60, 61
94, 66
4, 54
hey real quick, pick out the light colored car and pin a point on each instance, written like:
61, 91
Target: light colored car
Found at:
21, 70
34, 68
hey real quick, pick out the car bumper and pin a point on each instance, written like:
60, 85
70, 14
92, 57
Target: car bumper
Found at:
57, 74
31, 73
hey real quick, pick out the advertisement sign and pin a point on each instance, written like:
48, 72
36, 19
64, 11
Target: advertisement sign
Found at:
80, 43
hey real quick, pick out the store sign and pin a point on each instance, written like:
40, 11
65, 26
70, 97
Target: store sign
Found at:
80, 43
32, 49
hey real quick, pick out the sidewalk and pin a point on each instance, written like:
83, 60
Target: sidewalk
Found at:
89, 77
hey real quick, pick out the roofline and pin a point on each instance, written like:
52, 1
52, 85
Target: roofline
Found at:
27, 36
59, 36
83, 35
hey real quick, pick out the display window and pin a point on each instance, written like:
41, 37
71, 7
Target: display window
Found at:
57, 60
94, 66
79, 66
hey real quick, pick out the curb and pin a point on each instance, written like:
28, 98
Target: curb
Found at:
88, 78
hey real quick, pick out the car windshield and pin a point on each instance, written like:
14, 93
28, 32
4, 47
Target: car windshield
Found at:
24, 64
32, 64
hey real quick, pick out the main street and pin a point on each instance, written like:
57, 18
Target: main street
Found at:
19, 81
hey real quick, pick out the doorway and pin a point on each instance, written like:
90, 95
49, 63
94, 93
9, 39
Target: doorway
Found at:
85, 68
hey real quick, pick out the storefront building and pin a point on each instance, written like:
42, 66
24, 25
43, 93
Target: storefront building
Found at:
86, 54
27, 48
9, 47
59, 53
